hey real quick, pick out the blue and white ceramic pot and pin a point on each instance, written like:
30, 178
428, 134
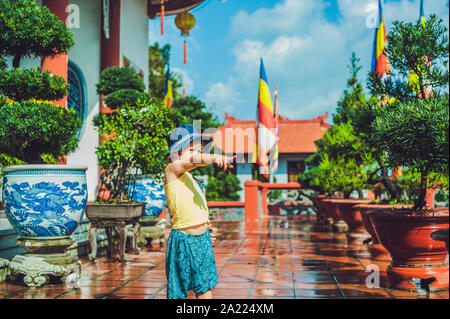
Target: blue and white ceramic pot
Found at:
149, 192
44, 200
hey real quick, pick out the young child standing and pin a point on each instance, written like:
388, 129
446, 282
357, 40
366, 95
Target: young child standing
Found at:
190, 263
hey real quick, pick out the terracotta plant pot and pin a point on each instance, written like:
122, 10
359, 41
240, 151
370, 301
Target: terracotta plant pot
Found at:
406, 234
349, 211
376, 250
274, 210
323, 222
332, 208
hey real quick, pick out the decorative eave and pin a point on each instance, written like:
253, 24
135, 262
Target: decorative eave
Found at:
321, 119
171, 7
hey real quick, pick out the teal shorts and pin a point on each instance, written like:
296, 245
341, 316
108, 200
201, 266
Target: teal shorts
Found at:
190, 264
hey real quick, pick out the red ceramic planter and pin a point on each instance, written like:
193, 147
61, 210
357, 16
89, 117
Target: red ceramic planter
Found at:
332, 208
349, 211
376, 250
406, 235
322, 217
315, 200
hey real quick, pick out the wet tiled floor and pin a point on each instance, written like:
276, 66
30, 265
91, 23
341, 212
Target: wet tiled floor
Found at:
275, 258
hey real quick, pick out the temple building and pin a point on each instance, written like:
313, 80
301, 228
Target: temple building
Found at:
296, 143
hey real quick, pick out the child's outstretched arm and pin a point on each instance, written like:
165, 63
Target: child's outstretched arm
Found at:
188, 163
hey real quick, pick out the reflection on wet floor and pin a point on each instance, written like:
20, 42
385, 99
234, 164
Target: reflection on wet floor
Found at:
278, 257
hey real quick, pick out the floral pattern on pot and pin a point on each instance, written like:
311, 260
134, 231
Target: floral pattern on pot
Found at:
151, 193
47, 202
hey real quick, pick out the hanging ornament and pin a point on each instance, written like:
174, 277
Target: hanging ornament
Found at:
185, 22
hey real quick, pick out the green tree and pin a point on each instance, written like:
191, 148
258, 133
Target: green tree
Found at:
121, 86
136, 140
223, 187
193, 109
354, 95
415, 134
340, 175
159, 58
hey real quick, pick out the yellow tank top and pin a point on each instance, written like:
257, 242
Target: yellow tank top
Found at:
186, 202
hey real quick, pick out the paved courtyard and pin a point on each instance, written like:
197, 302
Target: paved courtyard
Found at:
276, 258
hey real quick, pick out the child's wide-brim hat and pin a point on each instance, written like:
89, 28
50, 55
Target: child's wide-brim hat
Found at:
181, 137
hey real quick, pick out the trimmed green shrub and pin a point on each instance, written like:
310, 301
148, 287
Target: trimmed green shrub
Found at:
28, 29
224, 186
31, 128
117, 78
125, 96
26, 84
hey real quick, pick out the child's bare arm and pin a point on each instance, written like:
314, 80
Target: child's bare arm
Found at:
178, 167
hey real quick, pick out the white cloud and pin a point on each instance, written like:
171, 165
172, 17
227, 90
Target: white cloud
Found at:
188, 83
223, 95
283, 17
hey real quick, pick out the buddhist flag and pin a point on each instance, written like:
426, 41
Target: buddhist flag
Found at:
274, 152
266, 124
413, 79
168, 96
379, 63
422, 14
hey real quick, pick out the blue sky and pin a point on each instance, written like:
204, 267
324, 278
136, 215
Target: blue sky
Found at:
305, 44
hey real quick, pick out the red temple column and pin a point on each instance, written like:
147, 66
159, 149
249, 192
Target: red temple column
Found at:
57, 65
110, 42
109, 54
252, 204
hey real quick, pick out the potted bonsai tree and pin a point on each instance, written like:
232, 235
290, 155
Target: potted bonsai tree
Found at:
134, 144
44, 203
412, 130
32, 129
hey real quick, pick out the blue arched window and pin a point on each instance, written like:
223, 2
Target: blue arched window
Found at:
77, 99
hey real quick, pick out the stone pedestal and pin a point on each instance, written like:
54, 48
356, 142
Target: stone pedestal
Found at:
340, 226
48, 260
323, 224
357, 238
150, 231
4, 270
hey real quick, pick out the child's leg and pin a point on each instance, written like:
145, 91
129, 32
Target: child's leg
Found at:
205, 295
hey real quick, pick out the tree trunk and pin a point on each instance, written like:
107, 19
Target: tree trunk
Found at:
16, 60
387, 182
360, 194
420, 203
